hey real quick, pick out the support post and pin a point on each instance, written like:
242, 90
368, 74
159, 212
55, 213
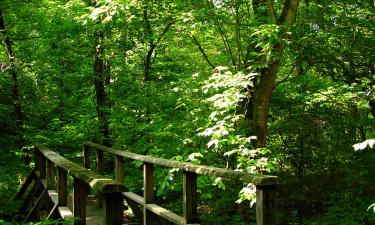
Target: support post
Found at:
265, 205
40, 163
113, 208
86, 156
119, 169
148, 192
190, 198
79, 201
62, 189
51, 175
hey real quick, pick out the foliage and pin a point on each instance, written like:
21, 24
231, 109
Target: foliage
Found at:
322, 100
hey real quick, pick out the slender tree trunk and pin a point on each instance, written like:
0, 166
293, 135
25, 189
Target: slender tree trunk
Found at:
263, 91
239, 65
196, 42
15, 90
100, 76
150, 38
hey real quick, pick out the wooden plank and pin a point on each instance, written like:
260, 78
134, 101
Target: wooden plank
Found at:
62, 186
25, 185
51, 175
119, 169
168, 215
97, 182
257, 179
54, 213
33, 192
190, 197
42, 166
138, 199
53, 196
113, 208
99, 162
79, 201
65, 213
265, 205
134, 201
148, 190
86, 156
40, 202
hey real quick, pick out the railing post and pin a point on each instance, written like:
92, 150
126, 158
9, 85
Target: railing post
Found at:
80, 190
86, 156
99, 162
148, 192
190, 197
62, 189
51, 175
265, 204
40, 163
119, 169
113, 208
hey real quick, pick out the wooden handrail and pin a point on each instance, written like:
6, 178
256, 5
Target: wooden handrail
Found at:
256, 179
265, 185
83, 180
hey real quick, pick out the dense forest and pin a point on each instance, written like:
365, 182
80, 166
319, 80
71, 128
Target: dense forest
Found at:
281, 87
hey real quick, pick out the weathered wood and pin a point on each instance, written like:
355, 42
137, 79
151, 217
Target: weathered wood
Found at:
86, 156
25, 185
257, 179
265, 205
51, 175
42, 166
62, 187
54, 213
33, 192
40, 202
165, 213
97, 182
190, 197
80, 191
65, 213
99, 162
119, 169
113, 208
148, 192
134, 201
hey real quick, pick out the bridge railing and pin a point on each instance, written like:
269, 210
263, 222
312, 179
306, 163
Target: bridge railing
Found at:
47, 162
265, 185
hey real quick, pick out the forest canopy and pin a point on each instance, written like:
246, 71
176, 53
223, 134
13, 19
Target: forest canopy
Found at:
281, 87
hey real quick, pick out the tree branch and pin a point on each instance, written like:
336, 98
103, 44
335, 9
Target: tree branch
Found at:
202, 51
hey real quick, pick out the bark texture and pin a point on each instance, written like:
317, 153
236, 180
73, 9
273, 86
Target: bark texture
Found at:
7, 42
101, 70
259, 106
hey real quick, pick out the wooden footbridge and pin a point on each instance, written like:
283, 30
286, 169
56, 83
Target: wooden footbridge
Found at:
98, 199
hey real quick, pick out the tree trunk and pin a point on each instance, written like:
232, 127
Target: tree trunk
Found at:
263, 90
196, 42
100, 74
15, 91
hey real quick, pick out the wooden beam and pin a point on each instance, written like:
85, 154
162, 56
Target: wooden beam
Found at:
190, 197
79, 201
113, 208
86, 156
51, 175
265, 205
62, 188
256, 179
148, 191
25, 185
34, 212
